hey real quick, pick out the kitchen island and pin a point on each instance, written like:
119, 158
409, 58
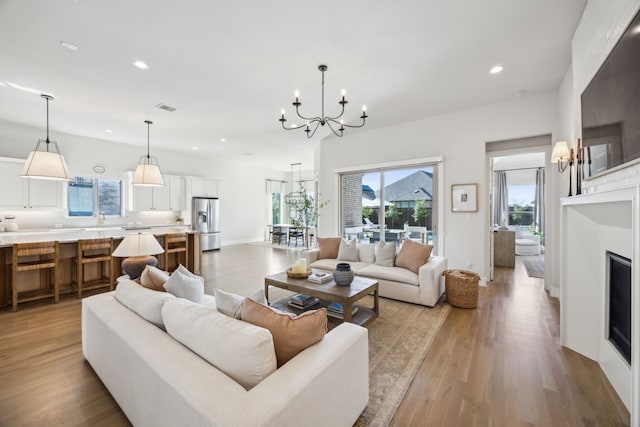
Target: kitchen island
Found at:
68, 239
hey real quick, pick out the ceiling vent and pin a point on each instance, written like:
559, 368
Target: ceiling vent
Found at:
165, 107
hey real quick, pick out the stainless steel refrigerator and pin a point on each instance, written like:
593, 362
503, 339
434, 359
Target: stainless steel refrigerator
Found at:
205, 213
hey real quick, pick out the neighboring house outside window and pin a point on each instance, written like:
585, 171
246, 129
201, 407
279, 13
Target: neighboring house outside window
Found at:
88, 197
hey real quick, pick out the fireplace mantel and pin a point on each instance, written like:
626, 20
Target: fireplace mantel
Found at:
593, 224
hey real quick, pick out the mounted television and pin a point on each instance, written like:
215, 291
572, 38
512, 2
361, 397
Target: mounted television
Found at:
611, 106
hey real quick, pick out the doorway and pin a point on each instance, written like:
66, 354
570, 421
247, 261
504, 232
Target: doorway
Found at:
518, 205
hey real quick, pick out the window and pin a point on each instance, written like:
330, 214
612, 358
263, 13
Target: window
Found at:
381, 205
91, 196
522, 193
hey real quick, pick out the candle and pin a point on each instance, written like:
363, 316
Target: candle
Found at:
571, 156
589, 154
300, 266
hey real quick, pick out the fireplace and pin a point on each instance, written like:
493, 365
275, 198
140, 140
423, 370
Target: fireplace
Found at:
619, 306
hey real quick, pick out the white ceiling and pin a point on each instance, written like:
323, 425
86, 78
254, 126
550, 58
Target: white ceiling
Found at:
229, 67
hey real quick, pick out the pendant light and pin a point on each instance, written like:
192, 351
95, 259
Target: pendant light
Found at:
45, 161
148, 171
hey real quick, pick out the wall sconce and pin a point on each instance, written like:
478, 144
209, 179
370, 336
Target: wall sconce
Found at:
561, 155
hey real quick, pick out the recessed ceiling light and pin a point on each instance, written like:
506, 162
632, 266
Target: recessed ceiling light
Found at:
636, 30
108, 130
496, 69
141, 64
223, 140
69, 46
194, 148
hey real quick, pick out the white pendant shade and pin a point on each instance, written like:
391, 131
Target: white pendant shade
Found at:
148, 175
139, 244
148, 170
42, 164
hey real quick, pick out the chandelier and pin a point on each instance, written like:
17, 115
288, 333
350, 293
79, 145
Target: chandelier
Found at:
295, 198
314, 122
148, 172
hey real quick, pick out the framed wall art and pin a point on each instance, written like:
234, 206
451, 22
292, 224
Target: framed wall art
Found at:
464, 198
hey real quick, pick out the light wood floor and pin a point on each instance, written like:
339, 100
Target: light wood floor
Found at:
498, 365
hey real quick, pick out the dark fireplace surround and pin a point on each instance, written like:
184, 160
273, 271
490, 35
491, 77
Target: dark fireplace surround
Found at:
619, 306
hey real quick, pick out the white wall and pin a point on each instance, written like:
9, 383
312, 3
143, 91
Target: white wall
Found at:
241, 189
460, 138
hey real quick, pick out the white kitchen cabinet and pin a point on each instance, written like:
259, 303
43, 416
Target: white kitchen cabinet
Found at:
168, 198
201, 187
26, 193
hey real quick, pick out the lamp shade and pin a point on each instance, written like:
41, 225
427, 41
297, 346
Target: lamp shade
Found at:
560, 152
45, 164
148, 174
140, 244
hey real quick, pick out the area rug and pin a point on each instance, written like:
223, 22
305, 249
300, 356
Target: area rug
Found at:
534, 264
399, 339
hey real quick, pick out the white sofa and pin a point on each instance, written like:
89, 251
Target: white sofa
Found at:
159, 382
425, 288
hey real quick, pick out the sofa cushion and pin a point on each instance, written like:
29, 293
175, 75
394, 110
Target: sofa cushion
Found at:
146, 303
291, 334
243, 351
330, 264
186, 285
231, 304
348, 251
153, 278
394, 274
367, 253
413, 255
328, 247
385, 254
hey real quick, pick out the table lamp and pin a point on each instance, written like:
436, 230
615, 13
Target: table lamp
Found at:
139, 249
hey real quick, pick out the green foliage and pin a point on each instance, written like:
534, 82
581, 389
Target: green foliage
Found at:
366, 211
419, 212
392, 212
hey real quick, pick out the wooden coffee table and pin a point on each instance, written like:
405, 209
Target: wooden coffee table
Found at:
327, 293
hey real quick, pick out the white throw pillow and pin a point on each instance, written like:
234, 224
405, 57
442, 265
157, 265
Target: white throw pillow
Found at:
385, 254
367, 253
146, 303
243, 351
188, 286
348, 251
231, 304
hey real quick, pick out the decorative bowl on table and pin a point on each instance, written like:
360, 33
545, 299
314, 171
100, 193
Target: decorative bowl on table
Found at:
296, 275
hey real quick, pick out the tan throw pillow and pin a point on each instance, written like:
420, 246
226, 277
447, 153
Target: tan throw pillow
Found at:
153, 278
291, 334
328, 247
385, 253
413, 255
348, 251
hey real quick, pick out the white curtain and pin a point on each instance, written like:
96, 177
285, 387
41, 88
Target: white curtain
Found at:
501, 199
538, 207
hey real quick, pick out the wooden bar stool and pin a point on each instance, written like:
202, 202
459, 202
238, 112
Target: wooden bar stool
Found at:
42, 256
92, 251
175, 244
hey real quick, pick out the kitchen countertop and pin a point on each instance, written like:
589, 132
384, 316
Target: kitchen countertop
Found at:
71, 235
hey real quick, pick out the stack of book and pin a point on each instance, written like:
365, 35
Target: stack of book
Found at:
302, 301
336, 310
320, 278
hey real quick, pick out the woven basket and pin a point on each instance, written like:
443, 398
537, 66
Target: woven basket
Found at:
461, 288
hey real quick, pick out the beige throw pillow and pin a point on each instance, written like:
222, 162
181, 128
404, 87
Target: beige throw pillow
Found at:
291, 334
328, 247
348, 251
187, 286
231, 304
153, 278
413, 255
385, 253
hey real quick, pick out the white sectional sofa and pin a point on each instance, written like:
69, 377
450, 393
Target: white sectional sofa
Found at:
157, 381
425, 288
